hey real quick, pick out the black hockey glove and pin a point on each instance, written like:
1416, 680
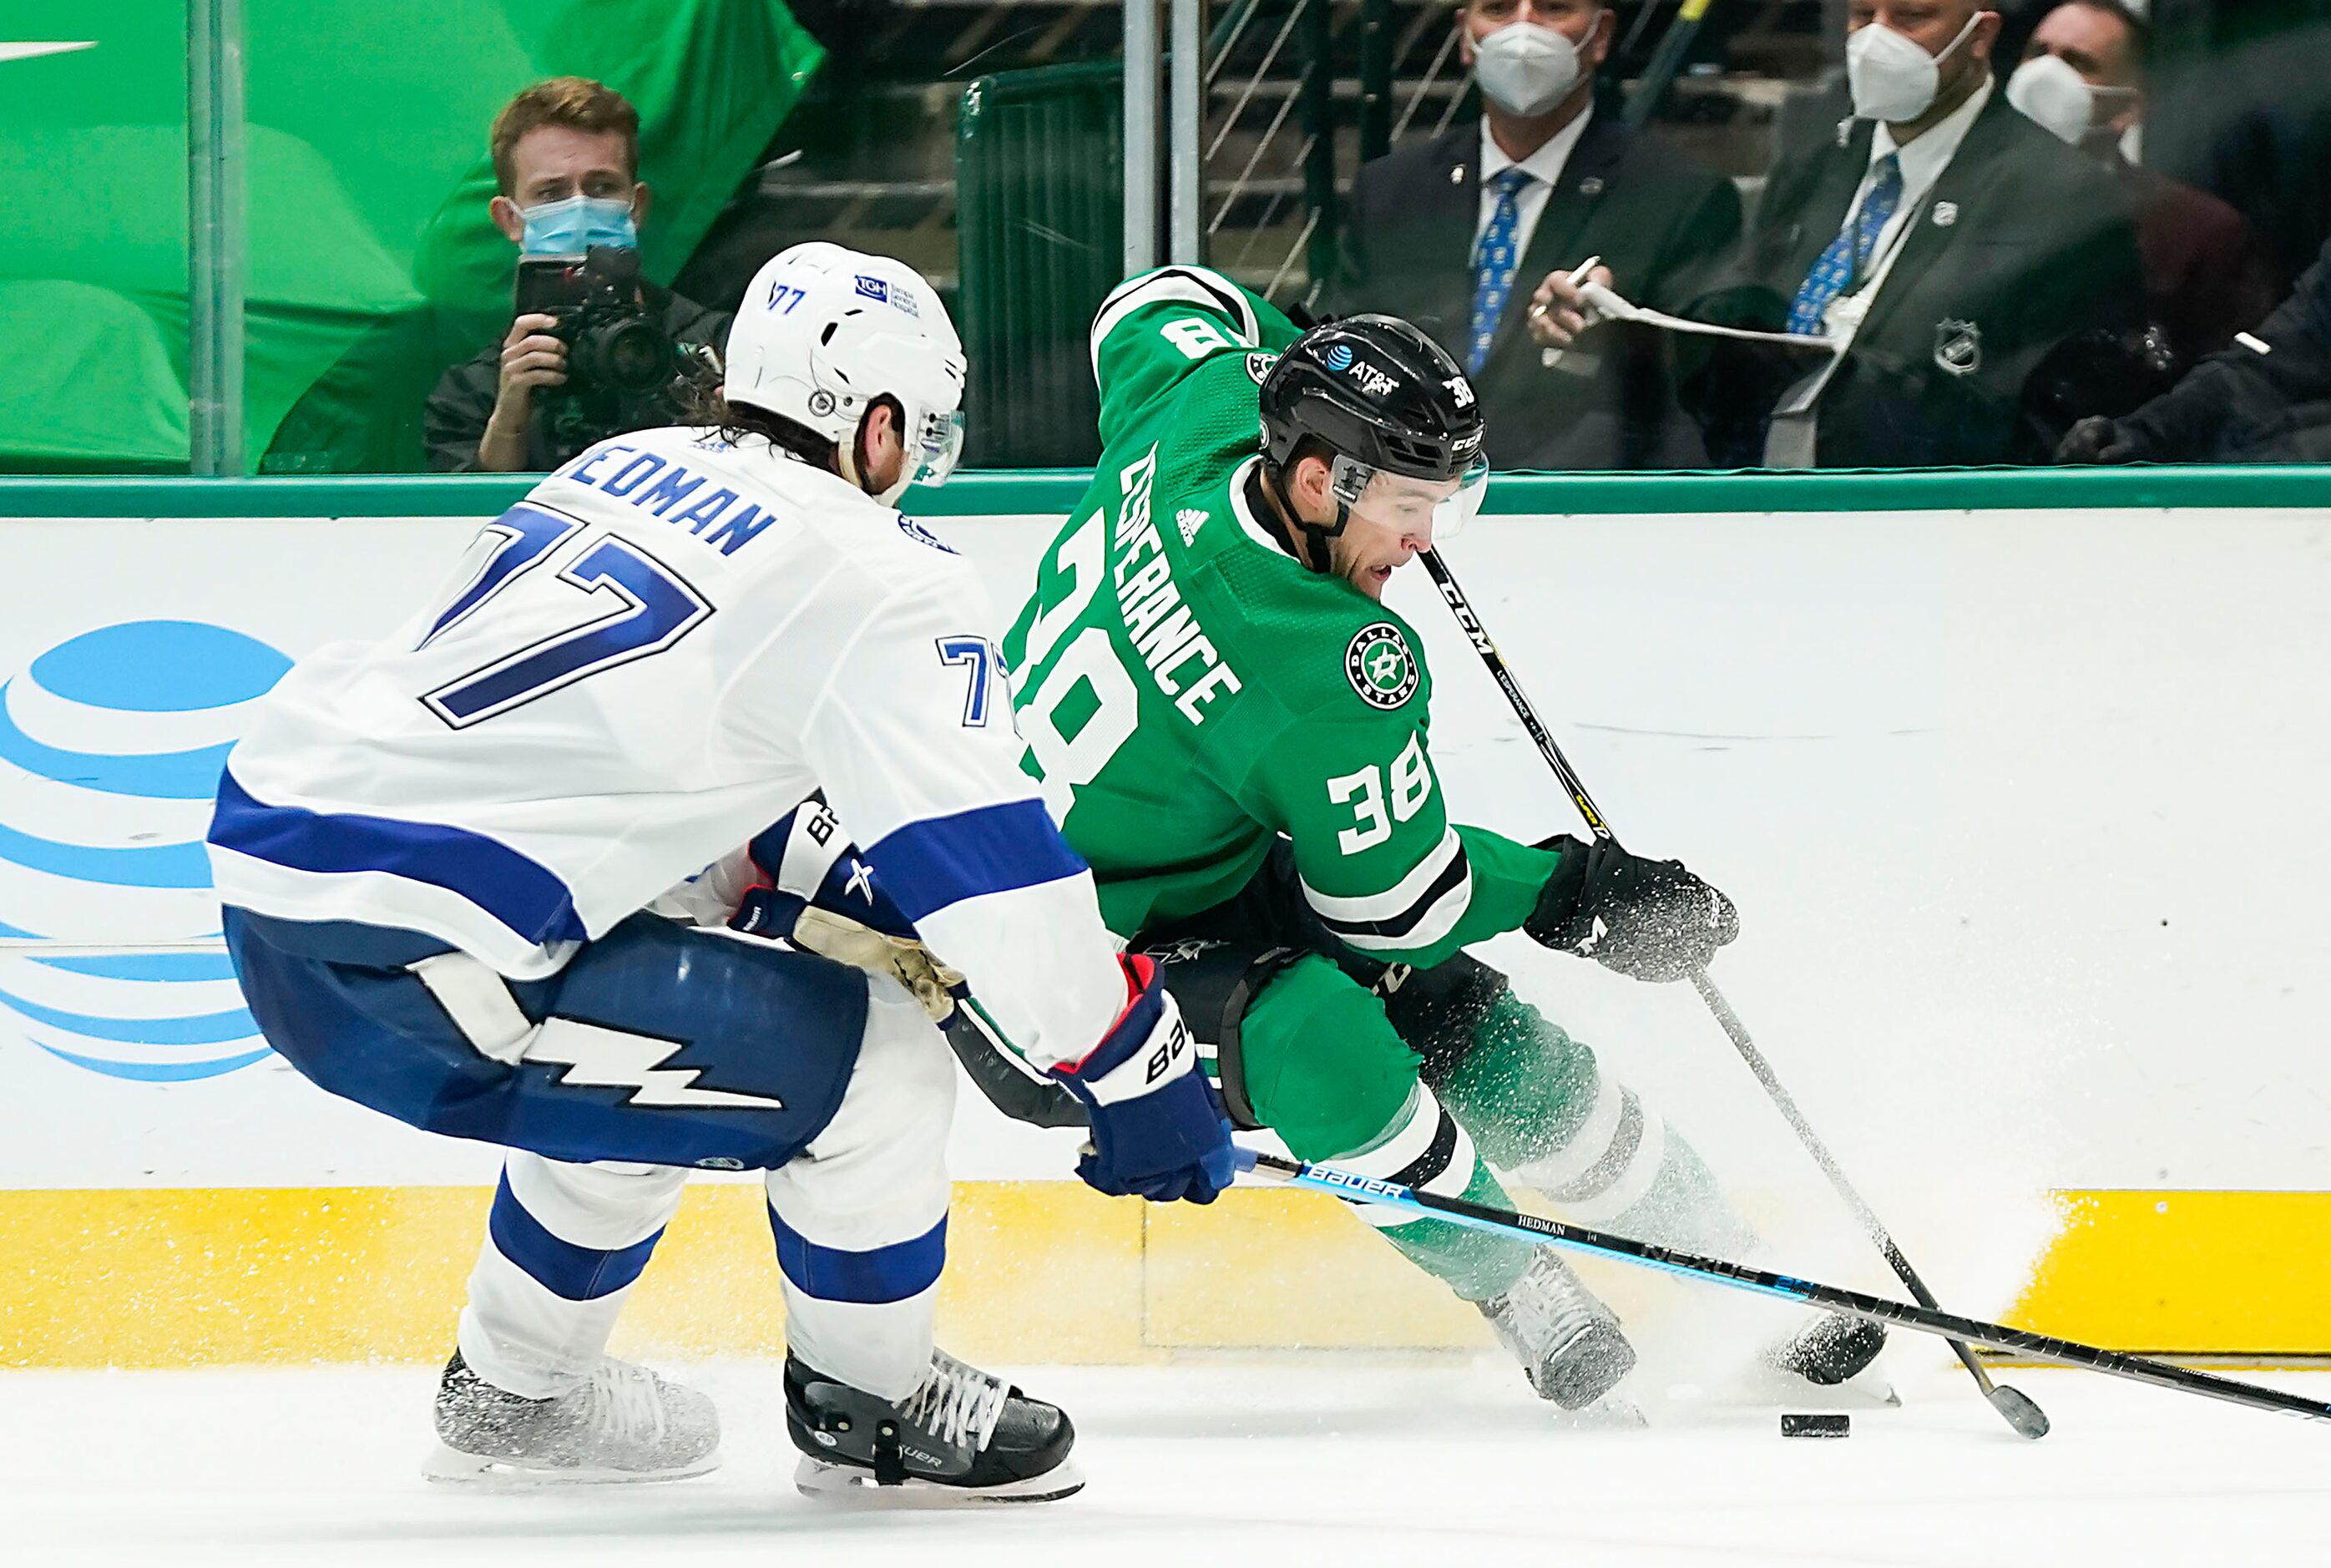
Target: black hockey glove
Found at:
1646, 919
2097, 439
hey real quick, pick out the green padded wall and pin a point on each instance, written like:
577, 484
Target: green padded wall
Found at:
1040, 192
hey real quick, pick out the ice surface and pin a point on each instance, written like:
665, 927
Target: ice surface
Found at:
1323, 1461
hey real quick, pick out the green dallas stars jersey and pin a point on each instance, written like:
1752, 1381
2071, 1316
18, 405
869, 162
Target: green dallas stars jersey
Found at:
1188, 690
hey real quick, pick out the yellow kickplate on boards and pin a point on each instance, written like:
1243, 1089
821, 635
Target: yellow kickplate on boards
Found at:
1037, 1271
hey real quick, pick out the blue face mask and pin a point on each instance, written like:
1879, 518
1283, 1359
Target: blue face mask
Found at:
570, 227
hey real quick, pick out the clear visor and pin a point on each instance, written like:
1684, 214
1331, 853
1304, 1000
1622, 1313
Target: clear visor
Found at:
939, 444
1436, 509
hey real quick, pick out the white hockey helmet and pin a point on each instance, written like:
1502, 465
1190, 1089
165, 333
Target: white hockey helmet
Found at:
825, 331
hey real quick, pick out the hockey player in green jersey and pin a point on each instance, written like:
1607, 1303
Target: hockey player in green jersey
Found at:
1233, 729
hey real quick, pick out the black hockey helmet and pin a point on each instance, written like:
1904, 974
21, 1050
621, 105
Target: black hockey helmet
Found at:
1382, 398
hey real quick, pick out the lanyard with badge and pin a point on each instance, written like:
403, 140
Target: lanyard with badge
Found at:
1843, 316
1789, 439
1789, 442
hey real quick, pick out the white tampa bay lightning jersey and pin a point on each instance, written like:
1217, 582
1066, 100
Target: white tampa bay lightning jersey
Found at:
669, 644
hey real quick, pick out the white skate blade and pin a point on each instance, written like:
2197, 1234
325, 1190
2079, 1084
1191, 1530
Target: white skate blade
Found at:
451, 1467
847, 1484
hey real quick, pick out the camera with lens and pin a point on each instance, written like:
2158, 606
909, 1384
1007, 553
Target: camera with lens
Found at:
621, 364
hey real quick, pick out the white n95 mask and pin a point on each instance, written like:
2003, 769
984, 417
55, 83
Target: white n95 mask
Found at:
2058, 98
1525, 69
1891, 77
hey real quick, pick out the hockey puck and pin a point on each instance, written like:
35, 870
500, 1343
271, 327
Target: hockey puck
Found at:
1796, 1424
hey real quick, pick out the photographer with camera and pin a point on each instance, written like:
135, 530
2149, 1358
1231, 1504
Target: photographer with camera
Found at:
593, 349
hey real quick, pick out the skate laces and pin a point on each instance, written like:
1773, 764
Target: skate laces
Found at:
958, 1402
1547, 1307
624, 1399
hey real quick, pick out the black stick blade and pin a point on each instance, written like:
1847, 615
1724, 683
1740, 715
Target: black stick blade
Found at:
2028, 1419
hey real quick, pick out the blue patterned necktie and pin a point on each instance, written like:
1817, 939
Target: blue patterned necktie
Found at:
1850, 253
1494, 257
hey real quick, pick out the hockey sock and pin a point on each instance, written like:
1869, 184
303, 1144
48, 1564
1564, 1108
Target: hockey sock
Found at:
1426, 1149
1548, 1115
565, 1244
1326, 1071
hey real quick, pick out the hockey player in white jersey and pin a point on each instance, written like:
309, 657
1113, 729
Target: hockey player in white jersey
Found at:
450, 861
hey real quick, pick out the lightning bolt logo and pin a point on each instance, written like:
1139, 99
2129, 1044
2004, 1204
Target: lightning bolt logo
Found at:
598, 1058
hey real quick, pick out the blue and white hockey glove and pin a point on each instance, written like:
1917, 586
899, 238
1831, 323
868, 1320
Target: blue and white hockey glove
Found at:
818, 892
1156, 1130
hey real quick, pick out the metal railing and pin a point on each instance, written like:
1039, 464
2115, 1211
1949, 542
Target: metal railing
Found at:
1283, 100
1238, 97
215, 235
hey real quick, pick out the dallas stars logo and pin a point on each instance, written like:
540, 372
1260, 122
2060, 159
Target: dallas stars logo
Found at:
1380, 667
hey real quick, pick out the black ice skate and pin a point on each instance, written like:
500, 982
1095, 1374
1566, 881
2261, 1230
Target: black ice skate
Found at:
1568, 1341
624, 1423
962, 1431
1830, 1350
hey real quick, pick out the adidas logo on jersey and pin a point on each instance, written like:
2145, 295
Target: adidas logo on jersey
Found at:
1190, 520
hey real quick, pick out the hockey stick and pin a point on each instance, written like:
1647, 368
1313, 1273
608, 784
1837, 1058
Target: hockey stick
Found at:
1665, 61
1353, 1187
2014, 1408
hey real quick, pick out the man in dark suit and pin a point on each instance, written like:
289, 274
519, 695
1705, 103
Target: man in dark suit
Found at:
2265, 399
1972, 266
2208, 274
1446, 233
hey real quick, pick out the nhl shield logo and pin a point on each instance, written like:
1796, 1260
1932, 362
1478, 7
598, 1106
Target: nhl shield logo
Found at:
1958, 346
1380, 667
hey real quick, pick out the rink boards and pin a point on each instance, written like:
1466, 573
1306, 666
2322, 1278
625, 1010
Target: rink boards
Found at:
2018, 783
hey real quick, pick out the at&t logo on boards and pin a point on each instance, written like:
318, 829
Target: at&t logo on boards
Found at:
110, 747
